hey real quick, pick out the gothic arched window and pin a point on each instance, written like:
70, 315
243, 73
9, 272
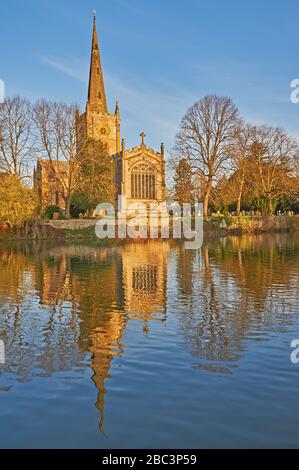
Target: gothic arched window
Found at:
143, 182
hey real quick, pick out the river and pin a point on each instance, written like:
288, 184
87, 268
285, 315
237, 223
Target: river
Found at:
150, 345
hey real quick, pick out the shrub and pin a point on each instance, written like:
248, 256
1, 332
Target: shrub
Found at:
17, 202
50, 210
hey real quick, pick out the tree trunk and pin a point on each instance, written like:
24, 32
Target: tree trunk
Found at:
240, 197
206, 200
269, 205
68, 207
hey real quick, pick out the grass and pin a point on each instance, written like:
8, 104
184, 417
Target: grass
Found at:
81, 235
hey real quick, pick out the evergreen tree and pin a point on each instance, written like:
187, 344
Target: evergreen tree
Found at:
183, 182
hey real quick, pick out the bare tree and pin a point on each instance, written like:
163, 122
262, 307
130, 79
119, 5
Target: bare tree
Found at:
241, 162
57, 128
16, 144
206, 132
296, 163
273, 152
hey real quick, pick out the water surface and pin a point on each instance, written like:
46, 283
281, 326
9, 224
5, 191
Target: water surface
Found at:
150, 345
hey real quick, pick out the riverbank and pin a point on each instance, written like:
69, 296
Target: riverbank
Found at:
253, 224
214, 226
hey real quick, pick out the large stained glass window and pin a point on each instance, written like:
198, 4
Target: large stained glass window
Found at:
143, 182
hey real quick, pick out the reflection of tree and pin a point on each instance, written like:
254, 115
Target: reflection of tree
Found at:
185, 271
61, 304
85, 280
202, 323
257, 263
79, 300
12, 268
235, 292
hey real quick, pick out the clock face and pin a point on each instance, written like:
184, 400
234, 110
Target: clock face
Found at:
103, 131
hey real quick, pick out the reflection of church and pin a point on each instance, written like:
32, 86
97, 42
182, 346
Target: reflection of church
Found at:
139, 173
144, 281
137, 279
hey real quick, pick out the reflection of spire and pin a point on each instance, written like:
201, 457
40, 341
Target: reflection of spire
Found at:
138, 273
146, 327
101, 407
214, 328
105, 345
100, 370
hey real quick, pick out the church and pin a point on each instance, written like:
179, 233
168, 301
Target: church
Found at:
138, 172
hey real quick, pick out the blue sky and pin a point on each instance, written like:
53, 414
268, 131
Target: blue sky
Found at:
158, 56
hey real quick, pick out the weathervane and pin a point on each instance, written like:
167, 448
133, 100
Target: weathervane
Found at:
94, 13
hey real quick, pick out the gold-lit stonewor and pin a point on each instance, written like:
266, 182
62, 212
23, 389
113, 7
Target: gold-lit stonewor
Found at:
138, 173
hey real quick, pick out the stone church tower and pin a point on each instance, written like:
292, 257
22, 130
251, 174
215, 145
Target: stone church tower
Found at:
97, 123
138, 172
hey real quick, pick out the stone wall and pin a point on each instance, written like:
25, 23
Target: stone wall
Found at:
228, 224
72, 224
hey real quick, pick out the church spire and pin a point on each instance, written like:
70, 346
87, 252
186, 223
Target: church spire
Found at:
96, 90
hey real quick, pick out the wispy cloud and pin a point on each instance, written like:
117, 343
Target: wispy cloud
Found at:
146, 104
69, 70
157, 106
